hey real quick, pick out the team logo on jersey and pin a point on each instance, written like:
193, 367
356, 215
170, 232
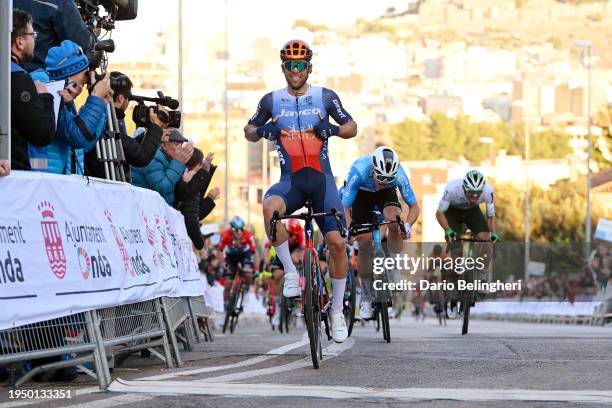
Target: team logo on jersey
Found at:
304, 112
336, 103
53, 240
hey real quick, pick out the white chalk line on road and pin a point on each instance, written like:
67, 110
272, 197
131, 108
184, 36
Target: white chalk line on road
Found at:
332, 351
335, 349
251, 361
337, 392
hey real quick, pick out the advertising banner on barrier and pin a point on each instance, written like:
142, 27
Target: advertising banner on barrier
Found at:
70, 244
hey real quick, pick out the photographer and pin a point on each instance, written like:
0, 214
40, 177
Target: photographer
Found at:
166, 168
55, 21
139, 150
32, 116
77, 132
189, 192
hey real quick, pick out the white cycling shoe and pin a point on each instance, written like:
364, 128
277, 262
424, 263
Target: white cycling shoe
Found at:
339, 330
291, 287
365, 310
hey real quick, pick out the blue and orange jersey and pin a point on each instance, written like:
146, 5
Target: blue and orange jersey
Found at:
297, 145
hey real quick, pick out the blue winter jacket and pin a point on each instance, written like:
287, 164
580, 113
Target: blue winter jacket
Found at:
70, 142
161, 175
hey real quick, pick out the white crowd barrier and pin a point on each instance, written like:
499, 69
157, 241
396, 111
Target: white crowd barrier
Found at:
541, 311
70, 244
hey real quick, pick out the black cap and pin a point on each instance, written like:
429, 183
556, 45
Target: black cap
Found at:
176, 136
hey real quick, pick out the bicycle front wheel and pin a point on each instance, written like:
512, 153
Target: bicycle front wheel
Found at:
311, 307
384, 317
349, 306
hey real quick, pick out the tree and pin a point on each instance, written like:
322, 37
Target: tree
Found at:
452, 138
312, 27
557, 214
411, 140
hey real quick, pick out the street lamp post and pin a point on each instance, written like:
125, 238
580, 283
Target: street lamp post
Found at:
586, 47
527, 197
180, 57
522, 104
225, 108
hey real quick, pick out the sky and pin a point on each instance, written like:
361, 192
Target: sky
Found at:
247, 20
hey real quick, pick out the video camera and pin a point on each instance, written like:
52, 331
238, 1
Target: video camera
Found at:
140, 115
116, 10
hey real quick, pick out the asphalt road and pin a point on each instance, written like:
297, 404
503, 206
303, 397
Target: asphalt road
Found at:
499, 364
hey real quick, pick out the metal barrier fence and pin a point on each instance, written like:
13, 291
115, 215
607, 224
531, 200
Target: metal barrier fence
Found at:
73, 334
201, 317
176, 313
106, 334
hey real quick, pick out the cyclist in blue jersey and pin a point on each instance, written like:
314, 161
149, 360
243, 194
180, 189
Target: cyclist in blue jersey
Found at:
372, 183
296, 119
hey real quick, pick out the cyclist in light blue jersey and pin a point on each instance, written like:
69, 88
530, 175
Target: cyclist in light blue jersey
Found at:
372, 183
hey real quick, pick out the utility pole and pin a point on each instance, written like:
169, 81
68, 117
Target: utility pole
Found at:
527, 187
6, 20
180, 56
225, 109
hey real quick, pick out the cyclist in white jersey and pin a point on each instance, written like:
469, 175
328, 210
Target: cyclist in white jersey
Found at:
460, 205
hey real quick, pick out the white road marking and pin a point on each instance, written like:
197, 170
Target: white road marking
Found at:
332, 351
333, 392
252, 361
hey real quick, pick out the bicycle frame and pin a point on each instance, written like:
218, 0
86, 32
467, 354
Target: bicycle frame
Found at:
315, 301
382, 297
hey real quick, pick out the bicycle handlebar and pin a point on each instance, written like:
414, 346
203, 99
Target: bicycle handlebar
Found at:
307, 216
358, 229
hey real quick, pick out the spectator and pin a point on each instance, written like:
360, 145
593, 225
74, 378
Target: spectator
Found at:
166, 168
190, 189
55, 21
77, 133
139, 151
32, 116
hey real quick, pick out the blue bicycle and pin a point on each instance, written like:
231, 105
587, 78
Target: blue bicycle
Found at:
382, 298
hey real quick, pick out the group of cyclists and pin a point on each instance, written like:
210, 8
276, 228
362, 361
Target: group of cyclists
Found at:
296, 119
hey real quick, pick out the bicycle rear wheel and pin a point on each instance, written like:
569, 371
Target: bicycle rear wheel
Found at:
312, 313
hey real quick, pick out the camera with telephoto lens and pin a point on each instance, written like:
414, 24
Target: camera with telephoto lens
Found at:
140, 115
115, 10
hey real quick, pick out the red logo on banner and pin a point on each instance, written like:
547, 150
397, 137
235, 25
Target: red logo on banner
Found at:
150, 238
124, 252
53, 240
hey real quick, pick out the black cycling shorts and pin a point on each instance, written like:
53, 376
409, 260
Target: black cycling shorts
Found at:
472, 217
232, 259
368, 201
308, 183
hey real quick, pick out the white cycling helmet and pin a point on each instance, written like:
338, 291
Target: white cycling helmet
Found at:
474, 181
385, 163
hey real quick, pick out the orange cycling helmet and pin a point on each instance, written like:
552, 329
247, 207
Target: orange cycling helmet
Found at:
296, 50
